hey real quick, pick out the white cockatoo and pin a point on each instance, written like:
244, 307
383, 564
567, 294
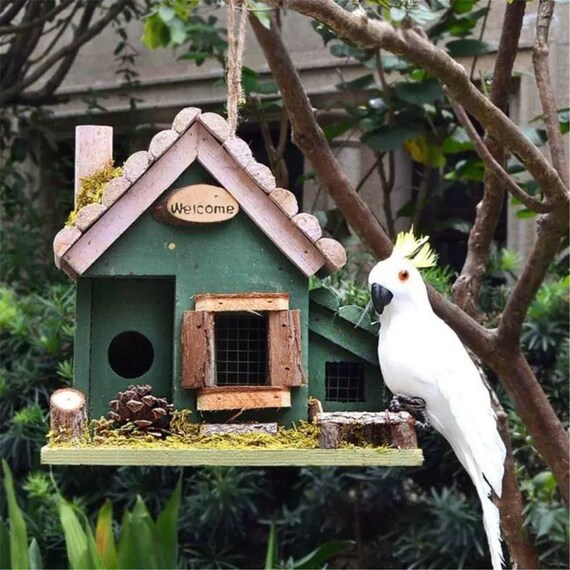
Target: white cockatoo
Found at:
421, 357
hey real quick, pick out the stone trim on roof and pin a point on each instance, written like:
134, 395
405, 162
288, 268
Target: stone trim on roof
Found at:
195, 128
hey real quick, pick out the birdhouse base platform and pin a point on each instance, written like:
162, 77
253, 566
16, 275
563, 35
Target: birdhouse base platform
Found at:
157, 456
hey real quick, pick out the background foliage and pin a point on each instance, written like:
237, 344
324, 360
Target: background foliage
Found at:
419, 518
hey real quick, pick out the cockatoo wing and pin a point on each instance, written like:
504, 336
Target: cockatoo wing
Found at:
469, 407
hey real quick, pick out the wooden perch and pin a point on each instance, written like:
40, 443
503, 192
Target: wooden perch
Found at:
376, 428
67, 414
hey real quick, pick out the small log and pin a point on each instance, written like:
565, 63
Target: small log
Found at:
64, 239
136, 165
329, 436
88, 215
216, 125
403, 434
285, 200
208, 430
334, 253
376, 428
161, 142
115, 189
93, 151
185, 119
315, 407
239, 150
67, 414
262, 176
309, 225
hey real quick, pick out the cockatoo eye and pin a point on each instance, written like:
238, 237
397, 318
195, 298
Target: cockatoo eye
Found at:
403, 275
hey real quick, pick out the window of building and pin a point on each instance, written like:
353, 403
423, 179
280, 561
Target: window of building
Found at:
344, 381
241, 349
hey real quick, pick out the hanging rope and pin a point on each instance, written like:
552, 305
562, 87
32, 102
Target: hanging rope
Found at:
237, 18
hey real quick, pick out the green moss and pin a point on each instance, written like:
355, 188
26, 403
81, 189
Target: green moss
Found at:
186, 435
91, 189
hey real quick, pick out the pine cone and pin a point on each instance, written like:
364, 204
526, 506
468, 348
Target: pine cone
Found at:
139, 407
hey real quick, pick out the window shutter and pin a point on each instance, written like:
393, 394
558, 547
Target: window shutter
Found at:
198, 349
285, 368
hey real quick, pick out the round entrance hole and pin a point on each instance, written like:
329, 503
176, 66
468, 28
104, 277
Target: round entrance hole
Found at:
131, 354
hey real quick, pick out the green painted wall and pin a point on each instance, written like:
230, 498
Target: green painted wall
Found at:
322, 351
127, 305
232, 256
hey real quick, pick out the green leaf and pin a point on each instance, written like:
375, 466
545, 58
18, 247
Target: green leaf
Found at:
459, 141
357, 84
142, 533
262, 12
271, 555
322, 554
421, 92
397, 14
104, 537
177, 31
127, 552
19, 556
535, 136
167, 529
389, 137
338, 128
345, 50
525, 214
166, 13
75, 538
467, 47
156, 33
4, 546
35, 556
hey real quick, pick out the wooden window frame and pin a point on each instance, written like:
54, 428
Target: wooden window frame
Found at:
283, 351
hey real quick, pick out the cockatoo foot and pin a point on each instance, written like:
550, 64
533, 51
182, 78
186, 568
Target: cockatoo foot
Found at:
412, 404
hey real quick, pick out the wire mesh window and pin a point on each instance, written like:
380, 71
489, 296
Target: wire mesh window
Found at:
344, 382
241, 349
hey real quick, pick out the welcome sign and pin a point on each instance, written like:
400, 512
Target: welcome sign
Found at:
200, 204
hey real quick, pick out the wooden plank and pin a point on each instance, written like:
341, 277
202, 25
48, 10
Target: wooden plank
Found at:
243, 398
123, 213
163, 456
258, 206
198, 349
93, 151
284, 339
242, 302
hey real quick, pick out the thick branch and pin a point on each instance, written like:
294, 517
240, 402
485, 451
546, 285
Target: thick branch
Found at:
415, 48
10, 95
310, 139
544, 85
498, 171
467, 286
4, 30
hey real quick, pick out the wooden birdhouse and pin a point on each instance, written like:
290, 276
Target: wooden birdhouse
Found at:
192, 274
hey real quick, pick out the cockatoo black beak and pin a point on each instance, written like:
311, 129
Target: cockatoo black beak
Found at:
381, 297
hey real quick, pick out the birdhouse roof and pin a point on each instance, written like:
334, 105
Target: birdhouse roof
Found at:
204, 137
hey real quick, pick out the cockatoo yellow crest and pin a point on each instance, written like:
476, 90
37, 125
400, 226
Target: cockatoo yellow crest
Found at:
416, 249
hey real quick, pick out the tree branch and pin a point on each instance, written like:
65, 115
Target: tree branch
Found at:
10, 95
417, 49
498, 171
542, 73
528, 396
4, 30
59, 75
466, 288
10, 13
